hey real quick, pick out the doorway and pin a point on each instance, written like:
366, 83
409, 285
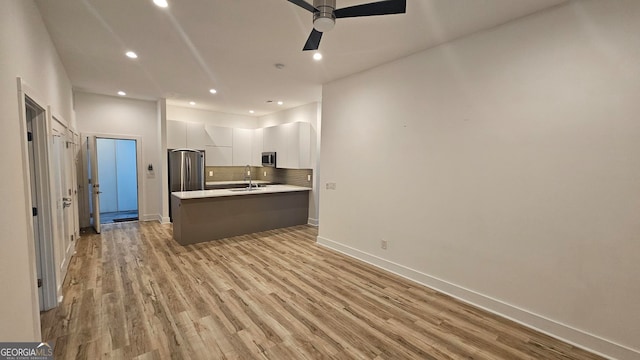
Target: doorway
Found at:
43, 236
117, 170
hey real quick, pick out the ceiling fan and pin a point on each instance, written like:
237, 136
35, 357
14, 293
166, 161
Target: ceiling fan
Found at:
325, 15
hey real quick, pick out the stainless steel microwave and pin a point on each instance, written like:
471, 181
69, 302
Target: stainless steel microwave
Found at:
269, 159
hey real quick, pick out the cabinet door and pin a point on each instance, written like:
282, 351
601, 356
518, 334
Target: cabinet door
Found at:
218, 155
256, 147
176, 134
289, 136
218, 135
297, 137
270, 138
196, 136
242, 139
303, 148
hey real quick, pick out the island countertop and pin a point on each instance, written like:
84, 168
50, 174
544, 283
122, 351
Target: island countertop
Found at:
270, 189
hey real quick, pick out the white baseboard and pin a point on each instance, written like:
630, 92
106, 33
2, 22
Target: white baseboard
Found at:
537, 322
155, 217
312, 222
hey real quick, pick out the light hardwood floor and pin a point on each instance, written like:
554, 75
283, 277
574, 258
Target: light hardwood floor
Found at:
132, 292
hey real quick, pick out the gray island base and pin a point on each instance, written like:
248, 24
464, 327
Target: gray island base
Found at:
216, 214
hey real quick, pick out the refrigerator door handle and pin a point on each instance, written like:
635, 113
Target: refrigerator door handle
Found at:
189, 172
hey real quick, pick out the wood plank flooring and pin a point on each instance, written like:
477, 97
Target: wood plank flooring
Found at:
134, 293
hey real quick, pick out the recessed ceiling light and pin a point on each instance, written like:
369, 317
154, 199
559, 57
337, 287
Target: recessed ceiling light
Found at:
317, 56
251, 111
161, 3
122, 93
213, 91
192, 102
280, 103
131, 54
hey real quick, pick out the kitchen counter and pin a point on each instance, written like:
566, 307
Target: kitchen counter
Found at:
205, 215
198, 194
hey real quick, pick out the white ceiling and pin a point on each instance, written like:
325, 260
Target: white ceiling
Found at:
233, 45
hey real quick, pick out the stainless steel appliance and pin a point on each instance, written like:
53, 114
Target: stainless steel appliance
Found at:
269, 159
186, 170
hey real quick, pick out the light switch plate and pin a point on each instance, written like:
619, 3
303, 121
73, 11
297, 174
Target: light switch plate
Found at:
210, 172
308, 177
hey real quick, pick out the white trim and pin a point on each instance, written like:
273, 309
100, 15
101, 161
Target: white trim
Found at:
312, 222
44, 206
150, 217
26, 188
571, 335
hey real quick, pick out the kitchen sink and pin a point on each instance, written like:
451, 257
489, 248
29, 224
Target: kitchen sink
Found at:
247, 189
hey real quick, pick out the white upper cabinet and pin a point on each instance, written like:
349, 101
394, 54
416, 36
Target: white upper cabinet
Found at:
176, 134
256, 147
218, 155
300, 156
242, 139
226, 146
292, 144
219, 136
196, 136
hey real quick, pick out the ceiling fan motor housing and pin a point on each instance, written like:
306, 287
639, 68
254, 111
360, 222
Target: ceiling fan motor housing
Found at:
324, 19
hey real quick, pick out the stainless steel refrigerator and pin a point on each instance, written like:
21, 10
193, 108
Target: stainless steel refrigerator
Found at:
186, 170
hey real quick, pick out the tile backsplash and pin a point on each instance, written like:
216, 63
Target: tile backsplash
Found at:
282, 176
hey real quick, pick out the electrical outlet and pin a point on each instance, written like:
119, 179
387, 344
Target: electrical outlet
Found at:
331, 186
265, 173
248, 172
308, 177
210, 172
383, 244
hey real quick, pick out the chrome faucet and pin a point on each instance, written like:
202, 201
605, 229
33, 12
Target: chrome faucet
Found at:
247, 175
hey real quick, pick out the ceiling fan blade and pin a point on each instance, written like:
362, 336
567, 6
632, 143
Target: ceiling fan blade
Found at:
303, 4
313, 42
385, 7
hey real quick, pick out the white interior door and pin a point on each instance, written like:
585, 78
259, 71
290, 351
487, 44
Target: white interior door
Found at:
95, 183
60, 199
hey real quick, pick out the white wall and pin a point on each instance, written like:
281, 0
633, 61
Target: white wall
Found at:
309, 113
503, 168
214, 118
110, 115
26, 51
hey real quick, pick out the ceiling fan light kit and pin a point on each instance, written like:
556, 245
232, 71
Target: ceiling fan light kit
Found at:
324, 20
325, 15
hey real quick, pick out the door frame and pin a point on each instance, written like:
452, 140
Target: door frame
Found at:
139, 171
45, 217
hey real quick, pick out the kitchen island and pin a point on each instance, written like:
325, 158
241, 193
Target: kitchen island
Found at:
205, 215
